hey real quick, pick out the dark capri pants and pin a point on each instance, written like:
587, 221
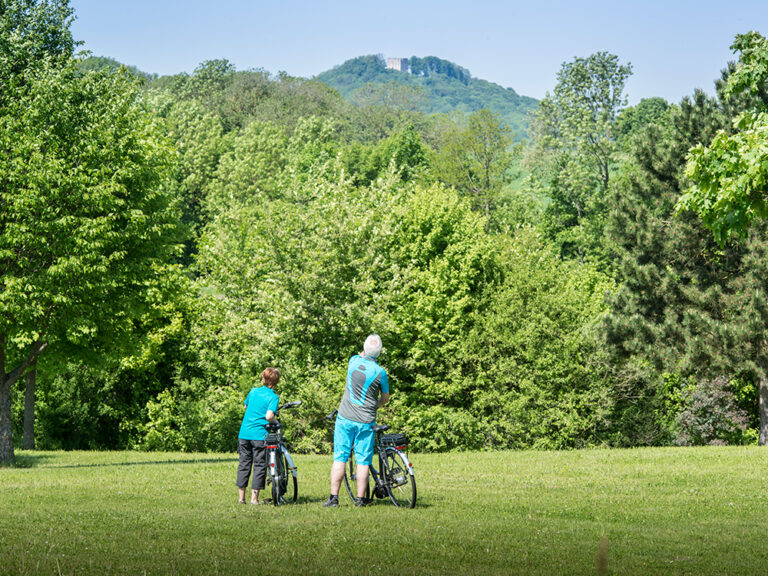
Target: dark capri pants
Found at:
253, 453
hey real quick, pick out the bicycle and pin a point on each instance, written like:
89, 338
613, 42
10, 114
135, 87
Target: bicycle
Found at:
285, 486
394, 478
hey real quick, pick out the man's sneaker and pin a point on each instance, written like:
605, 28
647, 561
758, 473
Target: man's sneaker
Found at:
362, 501
332, 502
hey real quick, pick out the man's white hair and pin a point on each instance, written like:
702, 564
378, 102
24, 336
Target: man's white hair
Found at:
373, 346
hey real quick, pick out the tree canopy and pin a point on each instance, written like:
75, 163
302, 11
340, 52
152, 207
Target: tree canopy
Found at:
730, 173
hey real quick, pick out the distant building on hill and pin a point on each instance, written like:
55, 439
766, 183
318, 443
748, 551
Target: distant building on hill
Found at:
399, 64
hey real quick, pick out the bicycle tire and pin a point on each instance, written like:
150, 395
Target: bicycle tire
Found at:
401, 485
350, 479
289, 484
285, 486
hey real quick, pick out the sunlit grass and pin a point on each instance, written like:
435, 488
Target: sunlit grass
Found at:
661, 511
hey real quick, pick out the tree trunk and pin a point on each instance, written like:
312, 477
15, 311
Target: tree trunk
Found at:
763, 404
7, 380
6, 426
28, 440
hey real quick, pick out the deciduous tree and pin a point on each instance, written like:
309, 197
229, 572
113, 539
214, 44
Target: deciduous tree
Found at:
476, 159
85, 224
574, 151
730, 173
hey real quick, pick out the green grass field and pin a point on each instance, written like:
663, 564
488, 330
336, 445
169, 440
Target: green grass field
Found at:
691, 511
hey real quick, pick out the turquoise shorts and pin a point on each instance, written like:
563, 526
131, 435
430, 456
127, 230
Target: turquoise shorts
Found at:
349, 434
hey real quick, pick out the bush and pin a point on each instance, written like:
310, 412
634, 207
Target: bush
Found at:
178, 422
441, 428
711, 416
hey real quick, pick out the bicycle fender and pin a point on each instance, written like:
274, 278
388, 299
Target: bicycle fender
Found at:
407, 462
289, 460
272, 463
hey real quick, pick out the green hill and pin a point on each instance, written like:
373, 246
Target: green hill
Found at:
446, 87
93, 63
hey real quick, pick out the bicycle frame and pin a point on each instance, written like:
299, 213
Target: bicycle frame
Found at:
378, 479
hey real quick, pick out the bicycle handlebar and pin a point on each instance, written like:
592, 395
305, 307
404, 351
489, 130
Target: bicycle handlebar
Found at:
289, 405
332, 415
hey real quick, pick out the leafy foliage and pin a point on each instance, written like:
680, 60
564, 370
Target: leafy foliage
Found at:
477, 160
237, 97
33, 32
100, 63
432, 66
84, 216
729, 175
534, 366
632, 120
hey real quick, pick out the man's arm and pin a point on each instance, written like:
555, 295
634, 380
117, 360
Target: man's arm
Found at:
384, 398
270, 416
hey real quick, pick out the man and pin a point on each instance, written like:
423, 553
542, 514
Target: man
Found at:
357, 417
260, 406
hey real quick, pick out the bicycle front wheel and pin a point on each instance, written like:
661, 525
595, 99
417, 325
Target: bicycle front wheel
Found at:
350, 479
289, 484
285, 487
401, 485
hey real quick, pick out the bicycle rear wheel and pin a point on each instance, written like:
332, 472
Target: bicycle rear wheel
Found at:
401, 485
277, 483
350, 479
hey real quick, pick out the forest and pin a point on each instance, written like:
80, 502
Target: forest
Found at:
597, 280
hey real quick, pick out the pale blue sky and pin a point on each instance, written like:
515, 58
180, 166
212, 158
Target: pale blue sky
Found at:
674, 46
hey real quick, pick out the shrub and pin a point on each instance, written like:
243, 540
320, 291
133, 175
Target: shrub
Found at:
711, 416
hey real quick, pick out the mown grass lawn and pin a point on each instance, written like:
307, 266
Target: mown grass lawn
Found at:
657, 511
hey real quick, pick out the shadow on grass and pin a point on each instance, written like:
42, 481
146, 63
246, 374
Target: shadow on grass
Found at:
28, 460
345, 501
38, 461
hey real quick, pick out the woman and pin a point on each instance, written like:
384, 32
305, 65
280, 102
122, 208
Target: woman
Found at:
260, 406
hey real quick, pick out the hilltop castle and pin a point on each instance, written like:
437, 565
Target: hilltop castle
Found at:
399, 64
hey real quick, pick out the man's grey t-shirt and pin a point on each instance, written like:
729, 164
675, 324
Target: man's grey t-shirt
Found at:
365, 380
